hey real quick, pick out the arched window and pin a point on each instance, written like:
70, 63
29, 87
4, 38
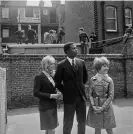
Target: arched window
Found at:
111, 19
128, 16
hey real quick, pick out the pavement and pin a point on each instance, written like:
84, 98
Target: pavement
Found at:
26, 120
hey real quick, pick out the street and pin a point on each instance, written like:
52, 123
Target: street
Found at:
26, 121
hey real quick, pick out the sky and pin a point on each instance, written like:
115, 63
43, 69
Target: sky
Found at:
36, 3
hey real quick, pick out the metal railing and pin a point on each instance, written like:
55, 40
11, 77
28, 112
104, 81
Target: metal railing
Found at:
109, 42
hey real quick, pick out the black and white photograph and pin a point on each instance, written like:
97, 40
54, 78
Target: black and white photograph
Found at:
66, 67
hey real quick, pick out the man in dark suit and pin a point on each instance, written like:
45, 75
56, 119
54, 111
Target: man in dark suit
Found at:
70, 79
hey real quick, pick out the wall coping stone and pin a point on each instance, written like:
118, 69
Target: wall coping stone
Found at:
85, 57
37, 45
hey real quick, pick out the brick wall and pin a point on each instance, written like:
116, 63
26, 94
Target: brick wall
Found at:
78, 14
92, 16
101, 18
21, 70
115, 48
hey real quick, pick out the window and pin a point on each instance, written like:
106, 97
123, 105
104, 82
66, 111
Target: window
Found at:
5, 33
47, 3
111, 19
62, 1
5, 12
128, 16
53, 15
21, 12
45, 11
29, 12
36, 13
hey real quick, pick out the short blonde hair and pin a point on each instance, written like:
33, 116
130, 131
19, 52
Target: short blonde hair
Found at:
46, 61
99, 62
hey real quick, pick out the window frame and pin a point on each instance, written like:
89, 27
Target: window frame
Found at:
115, 19
19, 12
34, 16
62, 2
128, 17
7, 17
7, 33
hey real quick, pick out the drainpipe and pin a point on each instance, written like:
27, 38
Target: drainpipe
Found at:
1, 51
123, 17
103, 20
125, 55
96, 18
0, 34
39, 33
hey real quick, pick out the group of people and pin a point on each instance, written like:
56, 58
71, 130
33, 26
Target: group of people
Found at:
30, 38
52, 37
67, 79
85, 40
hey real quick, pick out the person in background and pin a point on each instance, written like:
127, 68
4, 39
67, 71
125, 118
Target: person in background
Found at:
45, 90
93, 39
83, 38
31, 35
47, 37
50, 36
129, 30
101, 93
19, 34
70, 77
54, 37
60, 35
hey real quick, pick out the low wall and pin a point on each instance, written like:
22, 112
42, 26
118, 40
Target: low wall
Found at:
38, 49
21, 70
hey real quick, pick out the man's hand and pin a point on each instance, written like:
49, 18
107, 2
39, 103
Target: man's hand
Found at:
60, 96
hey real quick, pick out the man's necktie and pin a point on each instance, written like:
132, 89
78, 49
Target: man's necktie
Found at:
73, 64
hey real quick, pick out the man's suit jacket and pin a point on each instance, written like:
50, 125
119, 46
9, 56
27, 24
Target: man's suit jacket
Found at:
68, 80
42, 89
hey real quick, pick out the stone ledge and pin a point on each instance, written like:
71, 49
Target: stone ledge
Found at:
5, 57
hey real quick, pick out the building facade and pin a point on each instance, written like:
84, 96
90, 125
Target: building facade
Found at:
16, 13
108, 19
113, 17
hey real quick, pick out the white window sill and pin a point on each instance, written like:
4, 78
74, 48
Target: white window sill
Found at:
111, 30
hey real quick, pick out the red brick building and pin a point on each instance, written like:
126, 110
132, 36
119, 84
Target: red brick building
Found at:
108, 19
15, 13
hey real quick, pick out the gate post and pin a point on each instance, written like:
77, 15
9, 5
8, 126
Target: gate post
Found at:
3, 101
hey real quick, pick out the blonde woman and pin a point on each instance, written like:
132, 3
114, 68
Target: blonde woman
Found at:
101, 93
44, 89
